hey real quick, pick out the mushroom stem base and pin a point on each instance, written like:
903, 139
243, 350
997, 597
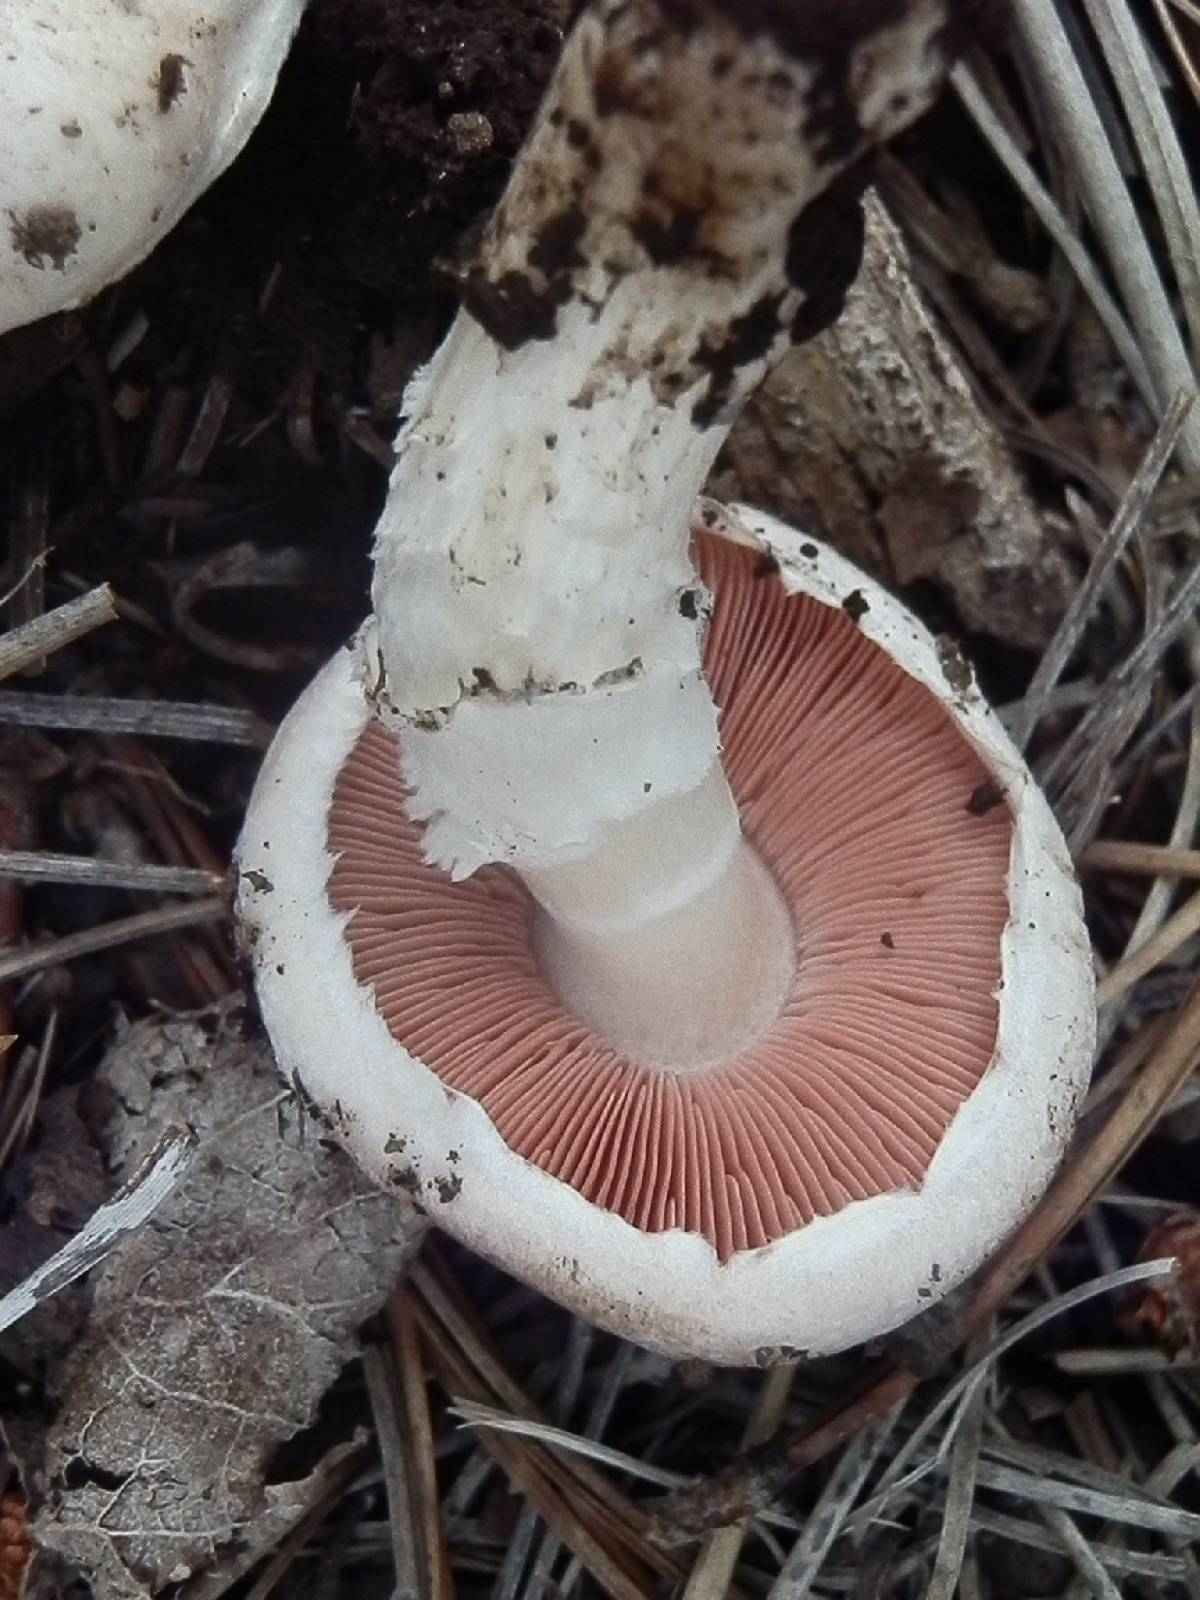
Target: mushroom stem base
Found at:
687, 990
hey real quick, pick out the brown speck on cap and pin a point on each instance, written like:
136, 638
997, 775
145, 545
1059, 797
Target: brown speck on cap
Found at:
45, 235
170, 81
954, 664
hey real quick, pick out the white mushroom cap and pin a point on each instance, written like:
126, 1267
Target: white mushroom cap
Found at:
855, 1268
114, 119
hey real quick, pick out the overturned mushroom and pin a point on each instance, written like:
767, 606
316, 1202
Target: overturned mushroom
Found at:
747, 1032
115, 119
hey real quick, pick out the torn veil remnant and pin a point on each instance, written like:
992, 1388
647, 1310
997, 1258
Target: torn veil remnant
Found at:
114, 120
714, 1041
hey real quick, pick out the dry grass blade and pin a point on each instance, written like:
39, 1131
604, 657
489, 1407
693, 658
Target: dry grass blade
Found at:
39, 866
24, 647
1162, 159
1113, 1363
1135, 502
1082, 767
1061, 1207
605, 1455
147, 1188
532, 1477
1088, 1563
1142, 747
28, 554
909, 1466
22, 1093
828, 1517
1172, 1521
1183, 827
960, 1497
1179, 49
108, 935
1061, 80
1041, 1462
157, 719
595, 1521
1056, 225
1125, 1563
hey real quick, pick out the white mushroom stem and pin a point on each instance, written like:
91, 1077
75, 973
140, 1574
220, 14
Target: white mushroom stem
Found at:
669, 228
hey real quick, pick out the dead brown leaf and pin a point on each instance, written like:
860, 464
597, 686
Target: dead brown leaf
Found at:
216, 1328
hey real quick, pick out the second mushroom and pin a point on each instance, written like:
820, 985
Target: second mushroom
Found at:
645, 890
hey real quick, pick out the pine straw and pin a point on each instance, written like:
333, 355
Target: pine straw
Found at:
1014, 1436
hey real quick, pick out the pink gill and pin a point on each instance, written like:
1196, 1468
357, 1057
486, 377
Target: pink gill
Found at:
854, 786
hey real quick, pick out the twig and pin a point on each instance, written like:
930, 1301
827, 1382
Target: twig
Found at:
329, 1482
27, 645
42, 866
391, 1430
161, 719
511, 1579
1129, 856
1175, 931
712, 1571
406, 1346
108, 935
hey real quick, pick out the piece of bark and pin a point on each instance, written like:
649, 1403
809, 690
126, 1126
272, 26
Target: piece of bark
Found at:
869, 436
214, 1330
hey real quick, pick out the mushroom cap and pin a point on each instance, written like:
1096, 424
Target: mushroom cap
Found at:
873, 1240
115, 119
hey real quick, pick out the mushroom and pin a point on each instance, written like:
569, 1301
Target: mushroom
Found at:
746, 1033
116, 118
